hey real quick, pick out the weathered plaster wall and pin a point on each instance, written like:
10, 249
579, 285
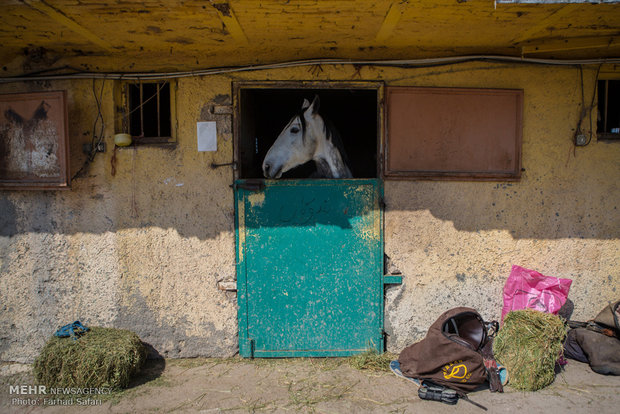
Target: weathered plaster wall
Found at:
144, 249
456, 241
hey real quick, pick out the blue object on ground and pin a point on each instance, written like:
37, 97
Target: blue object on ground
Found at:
503, 374
74, 330
395, 367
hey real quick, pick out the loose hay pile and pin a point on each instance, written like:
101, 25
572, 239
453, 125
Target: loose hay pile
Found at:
103, 357
528, 345
372, 360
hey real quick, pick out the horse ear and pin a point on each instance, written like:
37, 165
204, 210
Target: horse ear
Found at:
315, 104
311, 108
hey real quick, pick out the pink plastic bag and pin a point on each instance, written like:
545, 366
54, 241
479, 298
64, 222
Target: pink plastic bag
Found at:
528, 289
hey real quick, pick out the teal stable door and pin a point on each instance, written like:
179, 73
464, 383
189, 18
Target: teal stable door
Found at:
309, 267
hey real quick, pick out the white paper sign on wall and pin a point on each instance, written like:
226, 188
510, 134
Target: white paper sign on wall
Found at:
207, 136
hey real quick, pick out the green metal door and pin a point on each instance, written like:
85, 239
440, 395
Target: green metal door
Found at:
309, 267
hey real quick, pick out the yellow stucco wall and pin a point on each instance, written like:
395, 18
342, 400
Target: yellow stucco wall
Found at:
145, 249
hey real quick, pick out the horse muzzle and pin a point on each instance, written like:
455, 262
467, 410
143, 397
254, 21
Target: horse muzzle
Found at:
269, 171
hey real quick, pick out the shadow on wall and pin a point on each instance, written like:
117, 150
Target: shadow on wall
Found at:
172, 338
203, 213
551, 210
544, 211
525, 211
201, 204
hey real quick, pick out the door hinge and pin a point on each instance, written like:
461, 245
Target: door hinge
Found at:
251, 346
382, 203
392, 279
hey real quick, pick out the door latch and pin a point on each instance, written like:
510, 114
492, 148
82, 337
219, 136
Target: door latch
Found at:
250, 185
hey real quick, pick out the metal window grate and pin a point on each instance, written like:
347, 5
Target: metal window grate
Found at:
149, 110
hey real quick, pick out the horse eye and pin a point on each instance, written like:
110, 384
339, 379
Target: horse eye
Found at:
294, 130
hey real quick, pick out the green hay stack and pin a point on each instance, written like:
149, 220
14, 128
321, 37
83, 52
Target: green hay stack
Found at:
102, 357
528, 345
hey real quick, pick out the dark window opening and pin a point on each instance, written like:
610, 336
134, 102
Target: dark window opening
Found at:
263, 114
608, 125
149, 111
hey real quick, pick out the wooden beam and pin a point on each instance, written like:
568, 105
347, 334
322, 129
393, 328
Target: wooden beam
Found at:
610, 71
230, 20
389, 22
58, 16
561, 45
541, 26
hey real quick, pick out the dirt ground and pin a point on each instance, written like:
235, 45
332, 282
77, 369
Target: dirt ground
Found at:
328, 385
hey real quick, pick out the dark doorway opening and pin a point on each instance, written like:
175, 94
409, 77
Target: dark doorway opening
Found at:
608, 125
264, 112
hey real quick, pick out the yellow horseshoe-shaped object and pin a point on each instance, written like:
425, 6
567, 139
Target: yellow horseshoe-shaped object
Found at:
458, 372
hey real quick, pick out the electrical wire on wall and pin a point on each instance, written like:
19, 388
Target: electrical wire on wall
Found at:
404, 63
586, 111
98, 130
96, 136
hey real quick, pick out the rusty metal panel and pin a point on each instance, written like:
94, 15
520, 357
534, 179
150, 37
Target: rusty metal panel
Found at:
34, 147
453, 133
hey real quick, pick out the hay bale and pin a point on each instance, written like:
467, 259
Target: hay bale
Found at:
528, 345
102, 357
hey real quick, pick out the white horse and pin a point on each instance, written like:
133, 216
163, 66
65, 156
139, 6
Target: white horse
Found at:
307, 137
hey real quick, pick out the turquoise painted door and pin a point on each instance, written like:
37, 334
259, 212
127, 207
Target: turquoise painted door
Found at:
309, 267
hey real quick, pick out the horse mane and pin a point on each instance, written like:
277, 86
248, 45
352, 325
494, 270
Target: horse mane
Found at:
331, 132
334, 136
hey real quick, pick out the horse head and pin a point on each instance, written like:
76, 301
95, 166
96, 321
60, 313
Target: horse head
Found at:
306, 137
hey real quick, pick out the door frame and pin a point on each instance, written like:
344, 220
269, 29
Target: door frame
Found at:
237, 87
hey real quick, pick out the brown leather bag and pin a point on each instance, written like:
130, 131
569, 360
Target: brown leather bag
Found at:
450, 353
597, 342
610, 316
